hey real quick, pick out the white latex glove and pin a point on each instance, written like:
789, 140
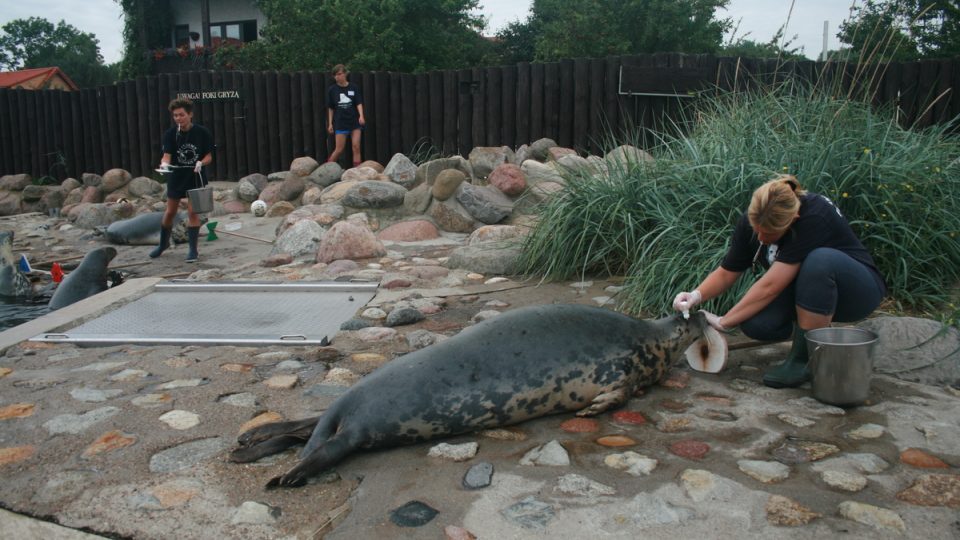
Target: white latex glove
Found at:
686, 300
714, 321
164, 165
198, 167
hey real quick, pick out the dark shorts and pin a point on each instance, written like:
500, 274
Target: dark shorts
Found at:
829, 282
178, 184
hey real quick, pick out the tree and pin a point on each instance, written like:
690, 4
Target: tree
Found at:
777, 47
397, 35
146, 26
882, 30
595, 28
36, 42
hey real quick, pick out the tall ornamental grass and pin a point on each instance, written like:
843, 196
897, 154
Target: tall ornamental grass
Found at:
666, 224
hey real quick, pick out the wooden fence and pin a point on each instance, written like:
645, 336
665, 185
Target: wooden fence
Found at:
262, 121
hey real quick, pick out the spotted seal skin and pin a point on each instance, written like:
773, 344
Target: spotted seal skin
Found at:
13, 282
86, 280
144, 230
523, 364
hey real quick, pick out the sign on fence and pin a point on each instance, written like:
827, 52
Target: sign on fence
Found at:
210, 96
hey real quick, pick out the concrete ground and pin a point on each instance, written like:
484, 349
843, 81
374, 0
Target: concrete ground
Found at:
133, 441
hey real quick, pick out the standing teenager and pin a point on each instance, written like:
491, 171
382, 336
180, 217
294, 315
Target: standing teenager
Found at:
344, 114
187, 149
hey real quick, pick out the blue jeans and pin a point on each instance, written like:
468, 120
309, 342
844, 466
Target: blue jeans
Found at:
829, 282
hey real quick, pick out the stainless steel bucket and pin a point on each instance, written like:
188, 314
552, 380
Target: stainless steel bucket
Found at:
841, 361
201, 199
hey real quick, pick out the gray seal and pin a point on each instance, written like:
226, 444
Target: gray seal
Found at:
523, 364
13, 282
144, 230
86, 280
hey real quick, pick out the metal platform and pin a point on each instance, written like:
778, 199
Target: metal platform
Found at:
226, 314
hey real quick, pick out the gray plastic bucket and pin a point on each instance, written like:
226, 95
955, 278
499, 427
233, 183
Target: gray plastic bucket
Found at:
841, 361
201, 199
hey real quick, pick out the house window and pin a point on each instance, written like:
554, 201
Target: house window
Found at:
181, 35
237, 32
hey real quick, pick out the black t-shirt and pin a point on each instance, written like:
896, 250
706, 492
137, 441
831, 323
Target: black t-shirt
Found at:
820, 225
186, 148
344, 100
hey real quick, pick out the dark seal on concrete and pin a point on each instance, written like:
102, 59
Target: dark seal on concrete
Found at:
526, 363
88, 279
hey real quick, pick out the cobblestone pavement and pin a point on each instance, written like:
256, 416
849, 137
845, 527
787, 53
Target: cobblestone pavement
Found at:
132, 441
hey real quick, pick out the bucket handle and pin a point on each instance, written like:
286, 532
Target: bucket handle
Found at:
811, 354
198, 175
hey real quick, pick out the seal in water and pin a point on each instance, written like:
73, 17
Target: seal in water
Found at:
88, 279
13, 282
144, 230
523, 364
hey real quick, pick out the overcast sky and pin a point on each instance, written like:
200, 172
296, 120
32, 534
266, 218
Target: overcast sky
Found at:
758, 18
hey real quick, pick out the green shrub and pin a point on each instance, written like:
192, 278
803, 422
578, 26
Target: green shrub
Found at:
666, 225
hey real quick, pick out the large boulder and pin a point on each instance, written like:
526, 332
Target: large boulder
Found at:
417, 200
536, 172
9, 203
484, 159
446, 184
311, 195
485, 258
375, 165
413, 230
359, 174
70, 184
915, 349
91, 179
91, 216
326, 174
503, 235
334, 193
486, 204
347, 240
142, 186
74, 196
451, 216
114, 179
323, 214
427, 172
15, 182
92, 194
558, 152
626, 157
303, 166
302, 238
53, 198
250, 186
373, 194
291, 188
509, 179
400, 170
539, 149
271, 193
33, 193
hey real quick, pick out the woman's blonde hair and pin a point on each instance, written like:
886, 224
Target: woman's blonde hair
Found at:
775, 203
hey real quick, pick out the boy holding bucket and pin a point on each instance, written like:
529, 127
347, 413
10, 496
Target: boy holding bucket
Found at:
187, 149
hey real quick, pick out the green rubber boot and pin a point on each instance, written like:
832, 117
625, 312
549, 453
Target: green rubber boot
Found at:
793, 371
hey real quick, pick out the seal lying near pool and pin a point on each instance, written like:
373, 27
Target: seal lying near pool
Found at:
86, 280
144, 230
13, 282
523, 364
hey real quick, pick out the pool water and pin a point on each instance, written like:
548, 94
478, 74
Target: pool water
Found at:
14, 311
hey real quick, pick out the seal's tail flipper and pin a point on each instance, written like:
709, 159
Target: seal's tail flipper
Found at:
326, 455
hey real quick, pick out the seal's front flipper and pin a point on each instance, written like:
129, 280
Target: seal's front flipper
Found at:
612, 397
322, 458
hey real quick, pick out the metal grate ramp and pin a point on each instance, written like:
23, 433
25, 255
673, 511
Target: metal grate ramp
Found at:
226, 314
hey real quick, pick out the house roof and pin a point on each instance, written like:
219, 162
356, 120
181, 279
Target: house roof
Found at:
9, 79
